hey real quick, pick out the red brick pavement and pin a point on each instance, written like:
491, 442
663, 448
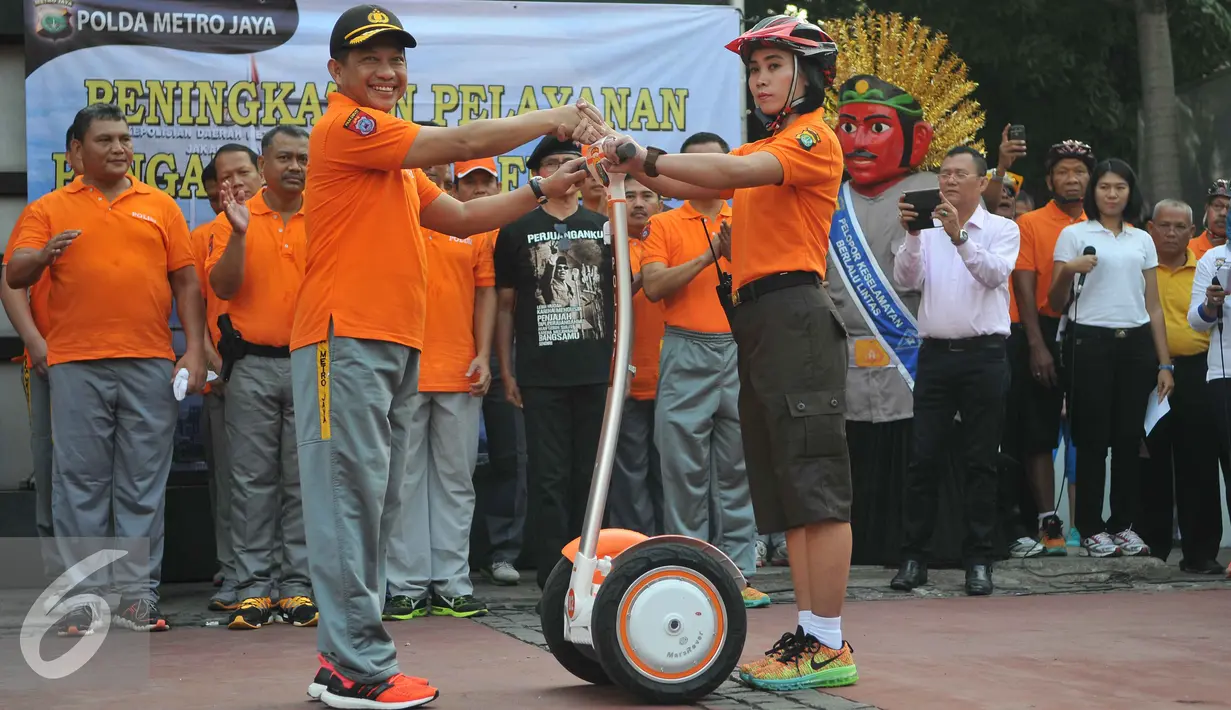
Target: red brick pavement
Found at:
1117, 651
1122, 650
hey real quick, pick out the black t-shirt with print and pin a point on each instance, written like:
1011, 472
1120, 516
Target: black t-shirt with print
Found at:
563, 322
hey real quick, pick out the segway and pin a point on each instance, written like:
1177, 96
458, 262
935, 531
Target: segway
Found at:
662, 617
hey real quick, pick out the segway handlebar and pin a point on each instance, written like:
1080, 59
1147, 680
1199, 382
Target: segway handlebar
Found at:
617, 211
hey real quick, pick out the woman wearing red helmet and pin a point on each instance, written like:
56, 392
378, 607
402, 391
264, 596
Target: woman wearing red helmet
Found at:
790, 339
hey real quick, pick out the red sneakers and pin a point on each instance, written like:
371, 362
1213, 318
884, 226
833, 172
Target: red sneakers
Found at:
400, 691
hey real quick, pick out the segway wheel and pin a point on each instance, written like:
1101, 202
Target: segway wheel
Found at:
669, 624
581, 662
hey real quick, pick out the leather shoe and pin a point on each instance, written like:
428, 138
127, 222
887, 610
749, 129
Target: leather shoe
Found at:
1203, 567
910, 574
978, 580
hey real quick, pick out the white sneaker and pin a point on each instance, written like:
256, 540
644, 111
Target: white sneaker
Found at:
1100, 545
1025, 547
1130, 543
762, 552
505, 573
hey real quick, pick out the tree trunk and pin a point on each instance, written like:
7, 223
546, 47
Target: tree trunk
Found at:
1158, 103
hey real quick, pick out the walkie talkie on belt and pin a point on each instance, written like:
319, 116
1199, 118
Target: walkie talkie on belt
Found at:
231, 347
725, 281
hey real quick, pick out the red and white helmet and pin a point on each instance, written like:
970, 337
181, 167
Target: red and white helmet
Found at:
803, 38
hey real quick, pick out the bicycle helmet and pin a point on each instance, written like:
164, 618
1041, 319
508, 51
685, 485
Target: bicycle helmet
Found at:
1069, 149
815, 53
1219, 188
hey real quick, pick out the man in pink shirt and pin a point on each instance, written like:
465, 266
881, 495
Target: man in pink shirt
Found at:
962, 267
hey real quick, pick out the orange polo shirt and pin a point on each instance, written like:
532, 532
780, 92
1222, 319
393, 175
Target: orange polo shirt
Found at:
275, 254
1201, 244
457, 267
367, 263
677, 237
648, 325
110, 296
1040, 230
38, 292
202, 245
785, 227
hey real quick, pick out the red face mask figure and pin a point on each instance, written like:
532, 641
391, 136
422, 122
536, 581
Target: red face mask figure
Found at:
882, 133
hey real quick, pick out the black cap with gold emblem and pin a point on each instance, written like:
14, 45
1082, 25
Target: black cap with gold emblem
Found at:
362, 23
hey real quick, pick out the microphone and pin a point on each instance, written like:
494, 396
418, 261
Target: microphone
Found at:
1081, 280
1217, 309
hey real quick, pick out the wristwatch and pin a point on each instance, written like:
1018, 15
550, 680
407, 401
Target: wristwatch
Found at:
962, 236
538, 189
651, 157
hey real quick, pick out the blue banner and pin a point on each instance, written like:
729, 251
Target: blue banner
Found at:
871, 292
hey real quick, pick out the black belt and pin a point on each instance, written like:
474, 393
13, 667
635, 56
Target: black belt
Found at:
979, 342
754, 290
1096, 332
275, 351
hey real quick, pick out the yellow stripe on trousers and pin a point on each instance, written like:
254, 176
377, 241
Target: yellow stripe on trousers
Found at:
322, 386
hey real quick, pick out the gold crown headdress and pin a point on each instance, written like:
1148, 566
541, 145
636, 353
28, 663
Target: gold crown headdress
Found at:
917, 59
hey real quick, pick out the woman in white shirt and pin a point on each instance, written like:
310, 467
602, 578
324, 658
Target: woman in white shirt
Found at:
1115, 344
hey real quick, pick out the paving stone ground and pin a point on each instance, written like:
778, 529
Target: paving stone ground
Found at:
1072, 632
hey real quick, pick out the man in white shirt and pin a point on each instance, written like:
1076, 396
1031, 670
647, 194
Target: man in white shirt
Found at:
962, 267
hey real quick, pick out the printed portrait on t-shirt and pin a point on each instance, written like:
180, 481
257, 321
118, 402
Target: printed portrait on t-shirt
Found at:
569, 298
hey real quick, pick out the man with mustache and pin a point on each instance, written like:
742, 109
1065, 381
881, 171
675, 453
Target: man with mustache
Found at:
213, 424
1034, 353
697, 425
636, 498
885, 141
256, 264
1218, 198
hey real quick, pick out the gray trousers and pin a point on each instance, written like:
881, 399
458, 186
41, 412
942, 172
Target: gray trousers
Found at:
696, 430
635, 500
113, 426
38, 403
353, 420
501, 494
429, 552
218, 460
267, 528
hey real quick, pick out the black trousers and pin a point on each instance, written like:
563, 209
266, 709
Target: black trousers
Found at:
500, 490
970, 377
1220, 401
563, 425
1184, 458
1112, 372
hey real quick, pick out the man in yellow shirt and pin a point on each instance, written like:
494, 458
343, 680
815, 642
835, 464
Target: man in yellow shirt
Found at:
1180, 446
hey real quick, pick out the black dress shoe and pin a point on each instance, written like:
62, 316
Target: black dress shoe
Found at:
979, 580
910, 574
1204, 567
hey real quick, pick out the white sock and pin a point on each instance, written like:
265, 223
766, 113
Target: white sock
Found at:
805, 618
827, 630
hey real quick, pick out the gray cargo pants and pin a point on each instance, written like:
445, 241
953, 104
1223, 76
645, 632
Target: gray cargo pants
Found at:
352, 420
113, 428
265, 502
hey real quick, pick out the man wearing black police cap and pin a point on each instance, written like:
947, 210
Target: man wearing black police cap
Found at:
359, 326
554, 285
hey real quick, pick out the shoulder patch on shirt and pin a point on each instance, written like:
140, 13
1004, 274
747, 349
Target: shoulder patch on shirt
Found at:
808, 138
360, 122
645, 231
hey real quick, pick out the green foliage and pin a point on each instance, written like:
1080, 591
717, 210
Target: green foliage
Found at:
1063, 68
